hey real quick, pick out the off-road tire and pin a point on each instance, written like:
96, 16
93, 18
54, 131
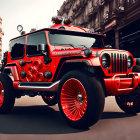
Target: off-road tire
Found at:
93, 101
8, 92
50, 100
127, 106
130, 107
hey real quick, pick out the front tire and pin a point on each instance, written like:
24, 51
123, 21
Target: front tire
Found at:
7, 97
81, 99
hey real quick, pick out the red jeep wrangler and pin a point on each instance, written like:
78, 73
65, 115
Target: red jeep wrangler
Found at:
67, 65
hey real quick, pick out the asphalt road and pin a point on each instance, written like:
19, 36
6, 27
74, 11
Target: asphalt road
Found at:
32, 119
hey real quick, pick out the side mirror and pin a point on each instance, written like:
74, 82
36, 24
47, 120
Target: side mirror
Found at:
108, 46
41, 47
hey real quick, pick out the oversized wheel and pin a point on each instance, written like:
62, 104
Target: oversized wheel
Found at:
50, 100
7, 97
81, 99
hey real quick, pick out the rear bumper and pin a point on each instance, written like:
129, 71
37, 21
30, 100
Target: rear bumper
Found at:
121, 83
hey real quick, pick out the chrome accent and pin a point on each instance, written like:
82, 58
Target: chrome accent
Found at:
80, 98
51, 88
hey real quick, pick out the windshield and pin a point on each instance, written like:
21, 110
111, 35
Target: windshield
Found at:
75, 41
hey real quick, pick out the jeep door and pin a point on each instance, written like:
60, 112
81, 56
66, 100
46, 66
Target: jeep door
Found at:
35, 67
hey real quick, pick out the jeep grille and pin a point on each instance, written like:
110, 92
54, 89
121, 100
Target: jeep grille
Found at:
118, 63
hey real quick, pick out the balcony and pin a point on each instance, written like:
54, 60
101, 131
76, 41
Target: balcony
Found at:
100, 3
131, 4
80, 6
113, 13
92, 11
128, 4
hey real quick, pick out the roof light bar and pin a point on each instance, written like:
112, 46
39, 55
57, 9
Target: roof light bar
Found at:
61, 20
57, 20
67, 21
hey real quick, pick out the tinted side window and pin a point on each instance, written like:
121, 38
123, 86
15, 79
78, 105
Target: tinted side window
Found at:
17, 47
32, 42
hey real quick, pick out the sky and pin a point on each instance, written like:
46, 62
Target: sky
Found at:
28, 13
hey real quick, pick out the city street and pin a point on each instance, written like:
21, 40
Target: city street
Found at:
32, 119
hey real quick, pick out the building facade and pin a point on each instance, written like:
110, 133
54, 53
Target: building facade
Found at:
119, 19
1, 34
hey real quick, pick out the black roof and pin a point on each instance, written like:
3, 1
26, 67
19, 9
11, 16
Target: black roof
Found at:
67, 32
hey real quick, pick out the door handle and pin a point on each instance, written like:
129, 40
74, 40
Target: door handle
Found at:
28, 61
23, 63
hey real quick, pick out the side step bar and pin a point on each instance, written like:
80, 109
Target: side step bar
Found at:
38, 86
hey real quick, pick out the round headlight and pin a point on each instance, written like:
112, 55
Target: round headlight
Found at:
130, 62
105, 60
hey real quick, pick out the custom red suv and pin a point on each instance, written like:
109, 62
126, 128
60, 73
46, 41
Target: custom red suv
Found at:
67, 65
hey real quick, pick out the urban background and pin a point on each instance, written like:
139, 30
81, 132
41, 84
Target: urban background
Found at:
1, 34
118, 19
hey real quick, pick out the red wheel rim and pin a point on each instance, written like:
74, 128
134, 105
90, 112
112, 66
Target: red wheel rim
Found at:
49, 98
73, 99
1, 94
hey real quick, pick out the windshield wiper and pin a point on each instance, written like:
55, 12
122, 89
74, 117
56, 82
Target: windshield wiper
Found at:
65, 44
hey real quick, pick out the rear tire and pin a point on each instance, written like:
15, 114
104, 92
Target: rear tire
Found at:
7, 97
81, 99
50, 100
130, 103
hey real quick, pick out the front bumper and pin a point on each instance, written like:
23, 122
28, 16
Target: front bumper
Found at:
121, 83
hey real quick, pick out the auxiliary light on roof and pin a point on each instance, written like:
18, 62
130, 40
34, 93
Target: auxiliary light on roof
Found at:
61, 20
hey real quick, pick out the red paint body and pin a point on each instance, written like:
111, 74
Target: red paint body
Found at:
116, 77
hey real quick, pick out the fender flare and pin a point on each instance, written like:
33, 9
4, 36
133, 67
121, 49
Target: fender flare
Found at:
70, 61
13, 71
